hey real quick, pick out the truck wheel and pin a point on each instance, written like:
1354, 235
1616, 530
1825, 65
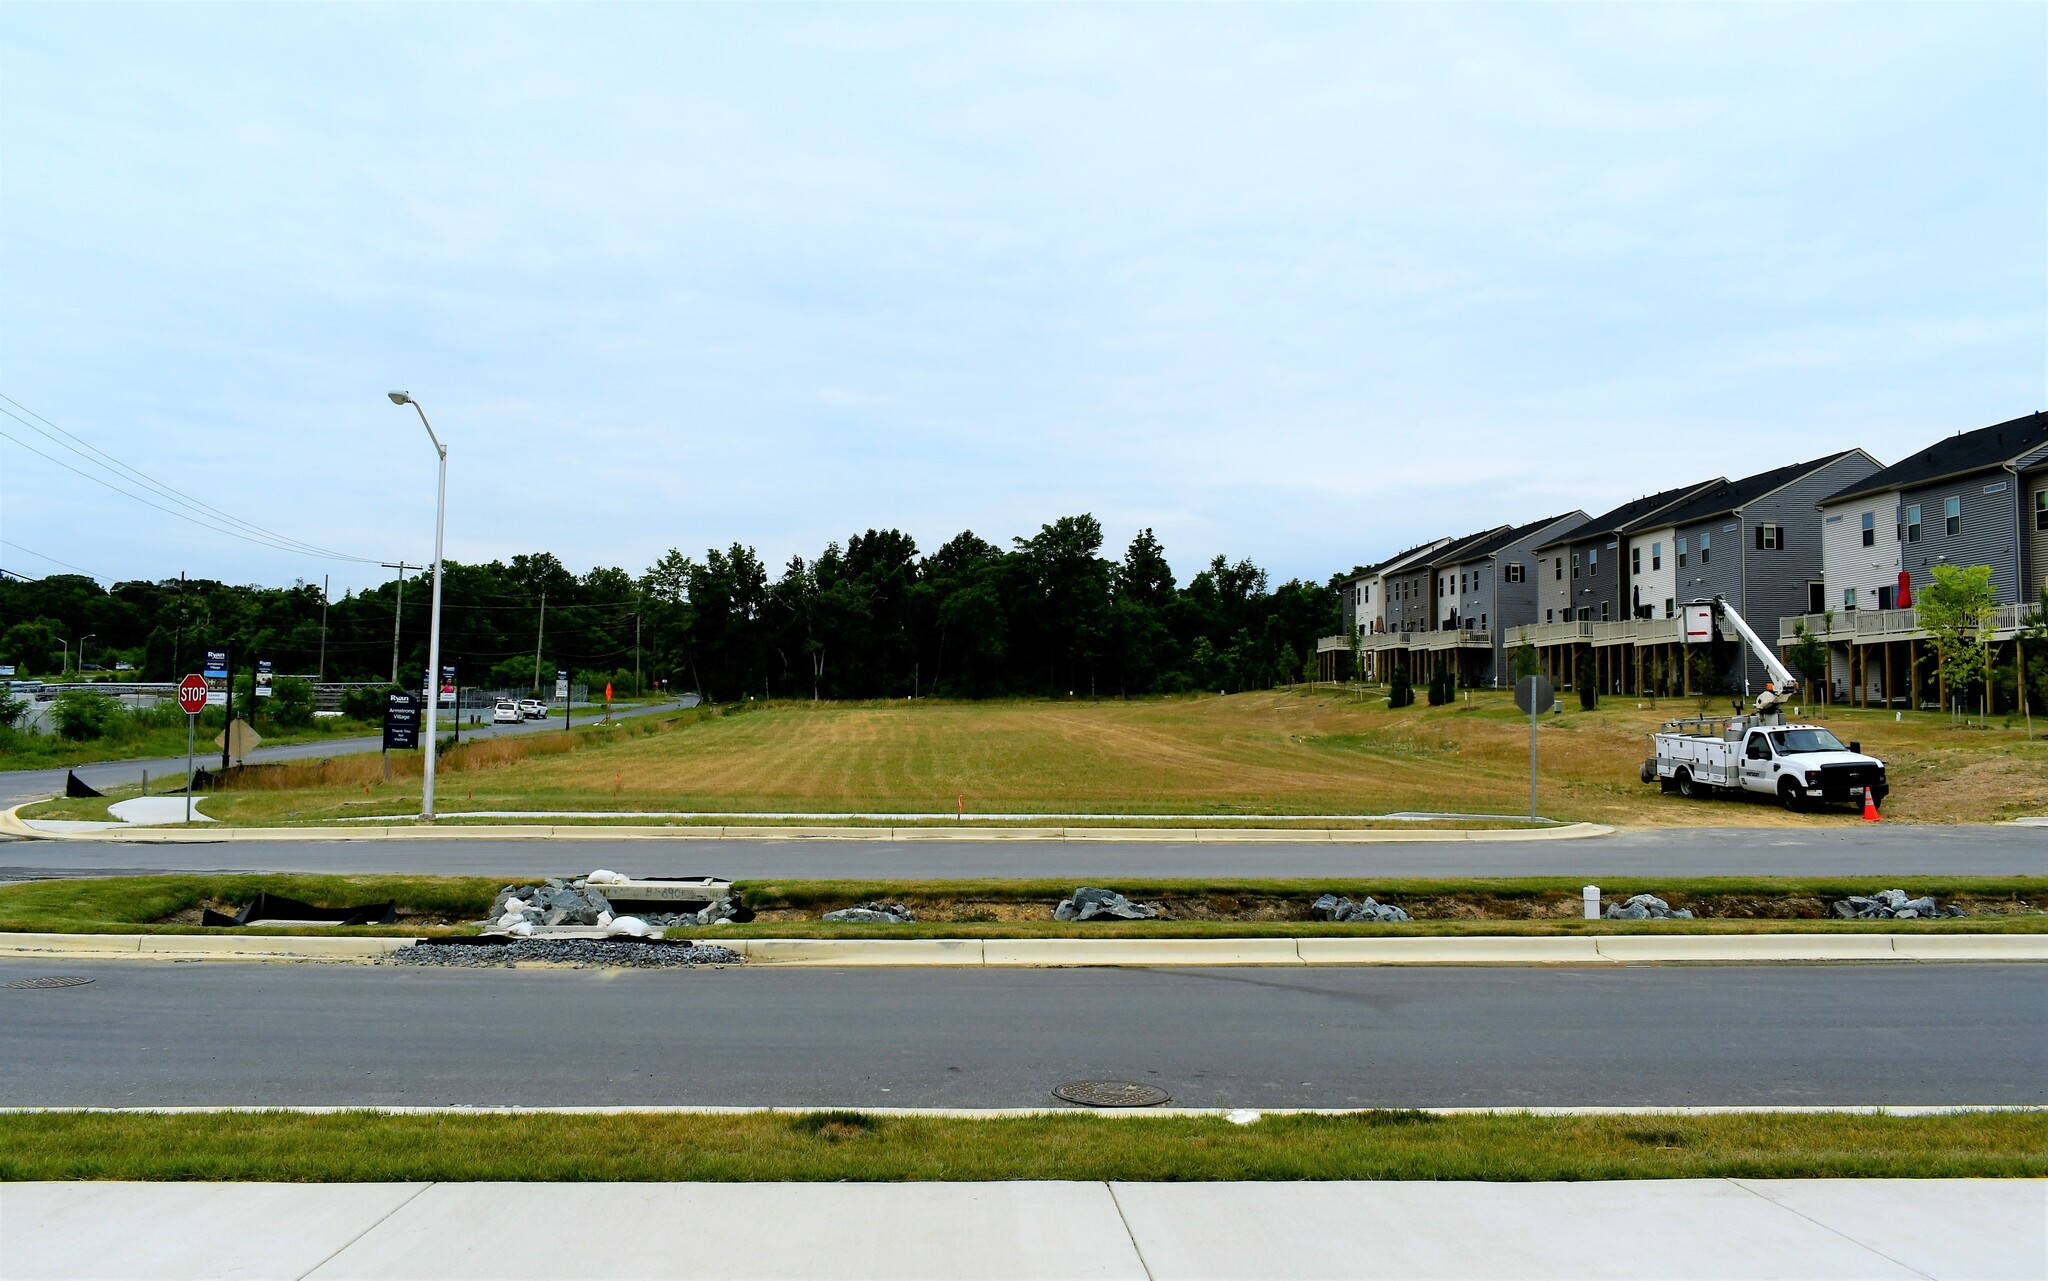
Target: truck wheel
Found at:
1685, 785
1789, 797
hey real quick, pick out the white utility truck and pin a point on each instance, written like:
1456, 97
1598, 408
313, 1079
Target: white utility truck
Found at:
1801, 765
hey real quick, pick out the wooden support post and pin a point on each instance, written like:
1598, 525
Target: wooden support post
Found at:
1888, 673
1912, 676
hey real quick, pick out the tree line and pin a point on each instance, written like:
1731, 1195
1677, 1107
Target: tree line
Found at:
1050, 615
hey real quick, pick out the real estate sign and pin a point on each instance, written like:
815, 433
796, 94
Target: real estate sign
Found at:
401, 721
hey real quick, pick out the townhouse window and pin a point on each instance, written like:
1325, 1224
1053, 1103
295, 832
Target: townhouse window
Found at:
1365, 595
1575, 565
1870, 529
1604, 611
1635, 560
1848, 598
1816, 597
1913, 523
1769, 538
1593, 560
1952, 517
1482, 622
1668, 602
1884, 597
2041, 509
1549, 616
1706, 548
1514, 569
1681, 553
1585, 614
1656, 555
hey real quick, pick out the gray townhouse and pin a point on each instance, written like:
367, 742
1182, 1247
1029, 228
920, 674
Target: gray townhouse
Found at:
1490, 586
1416, 598
1975, 498
1756, 542
1580, 572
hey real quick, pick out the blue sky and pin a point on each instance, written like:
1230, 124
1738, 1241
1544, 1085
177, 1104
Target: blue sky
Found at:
1297, 283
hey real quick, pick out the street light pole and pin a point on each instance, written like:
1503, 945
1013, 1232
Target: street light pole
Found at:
81, 651
434, 626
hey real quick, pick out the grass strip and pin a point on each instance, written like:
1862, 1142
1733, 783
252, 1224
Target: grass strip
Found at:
141, 904
834, 1145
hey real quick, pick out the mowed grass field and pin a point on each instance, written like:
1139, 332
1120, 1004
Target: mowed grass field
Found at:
1305, 751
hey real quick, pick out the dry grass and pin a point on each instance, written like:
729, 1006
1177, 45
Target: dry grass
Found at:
1277, 752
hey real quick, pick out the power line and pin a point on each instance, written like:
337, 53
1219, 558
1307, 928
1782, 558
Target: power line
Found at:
100, 458
52, 559
168, 511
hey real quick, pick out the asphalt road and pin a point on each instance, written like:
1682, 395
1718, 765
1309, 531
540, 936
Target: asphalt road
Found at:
17, 786
213, 1033
1852, 849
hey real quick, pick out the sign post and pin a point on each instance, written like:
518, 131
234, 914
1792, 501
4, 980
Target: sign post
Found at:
1531, 693
562, 692
192, 700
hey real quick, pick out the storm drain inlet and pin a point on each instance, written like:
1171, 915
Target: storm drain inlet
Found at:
1111, 1094
49, 980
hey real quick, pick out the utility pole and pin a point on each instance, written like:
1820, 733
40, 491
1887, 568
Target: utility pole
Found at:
398, 613
324, 578
636, 655
539, 632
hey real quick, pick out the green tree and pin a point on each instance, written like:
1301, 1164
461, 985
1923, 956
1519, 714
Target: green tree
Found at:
1809, 653
1588, 681
1400, 693
291, 701
1955, 611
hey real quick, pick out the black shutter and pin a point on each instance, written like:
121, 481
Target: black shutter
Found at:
1759, 537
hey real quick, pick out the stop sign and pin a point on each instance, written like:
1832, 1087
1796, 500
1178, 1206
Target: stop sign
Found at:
192, 695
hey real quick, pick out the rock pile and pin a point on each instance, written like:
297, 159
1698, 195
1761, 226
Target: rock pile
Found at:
1891, 905
872, 914
1646, 907
1089, 903
1331, 908
554, 902
579, 952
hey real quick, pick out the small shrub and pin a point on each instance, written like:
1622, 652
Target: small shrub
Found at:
291, 701
1588, 682
82, 715
1399, 692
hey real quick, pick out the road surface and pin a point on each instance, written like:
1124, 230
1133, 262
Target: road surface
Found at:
213, 1032
17, 786
1852, 849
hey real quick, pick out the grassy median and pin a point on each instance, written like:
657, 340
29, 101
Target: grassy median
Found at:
1308, 751
1224, 908
831, 1146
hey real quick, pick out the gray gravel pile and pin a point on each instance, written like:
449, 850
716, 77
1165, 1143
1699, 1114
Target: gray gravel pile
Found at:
1646, 907
587, 953
554, 902
1331, 908
1089, 903
872, 914
1891, 905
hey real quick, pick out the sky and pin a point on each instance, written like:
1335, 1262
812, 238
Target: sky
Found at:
1305, 284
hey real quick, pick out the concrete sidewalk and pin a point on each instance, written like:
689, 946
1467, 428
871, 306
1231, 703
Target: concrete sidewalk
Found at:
1707, 1228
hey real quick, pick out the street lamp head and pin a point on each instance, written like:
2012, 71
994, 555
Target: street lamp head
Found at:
399, 398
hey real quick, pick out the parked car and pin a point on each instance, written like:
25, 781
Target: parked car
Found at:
533, 709
506, 713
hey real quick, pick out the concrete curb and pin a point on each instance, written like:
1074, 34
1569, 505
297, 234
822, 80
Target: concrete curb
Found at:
989, 1114
198, 947
1637, 949
11, 824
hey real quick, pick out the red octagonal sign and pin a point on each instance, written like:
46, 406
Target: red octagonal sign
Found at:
192, 695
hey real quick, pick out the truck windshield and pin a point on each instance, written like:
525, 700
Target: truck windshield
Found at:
1793, 741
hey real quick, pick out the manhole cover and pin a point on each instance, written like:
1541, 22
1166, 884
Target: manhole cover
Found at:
1111, 1094
49, 980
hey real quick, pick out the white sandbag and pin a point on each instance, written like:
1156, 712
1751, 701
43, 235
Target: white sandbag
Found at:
604, 919
522, 929
603, 876
632, 925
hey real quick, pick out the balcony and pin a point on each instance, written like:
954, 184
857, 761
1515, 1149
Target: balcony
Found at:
1556, 633
1878, 626
1637, 631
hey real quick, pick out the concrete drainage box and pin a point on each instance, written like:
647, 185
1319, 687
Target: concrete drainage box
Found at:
664, 894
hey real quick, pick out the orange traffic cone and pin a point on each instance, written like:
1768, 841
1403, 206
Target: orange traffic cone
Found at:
1870, 807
